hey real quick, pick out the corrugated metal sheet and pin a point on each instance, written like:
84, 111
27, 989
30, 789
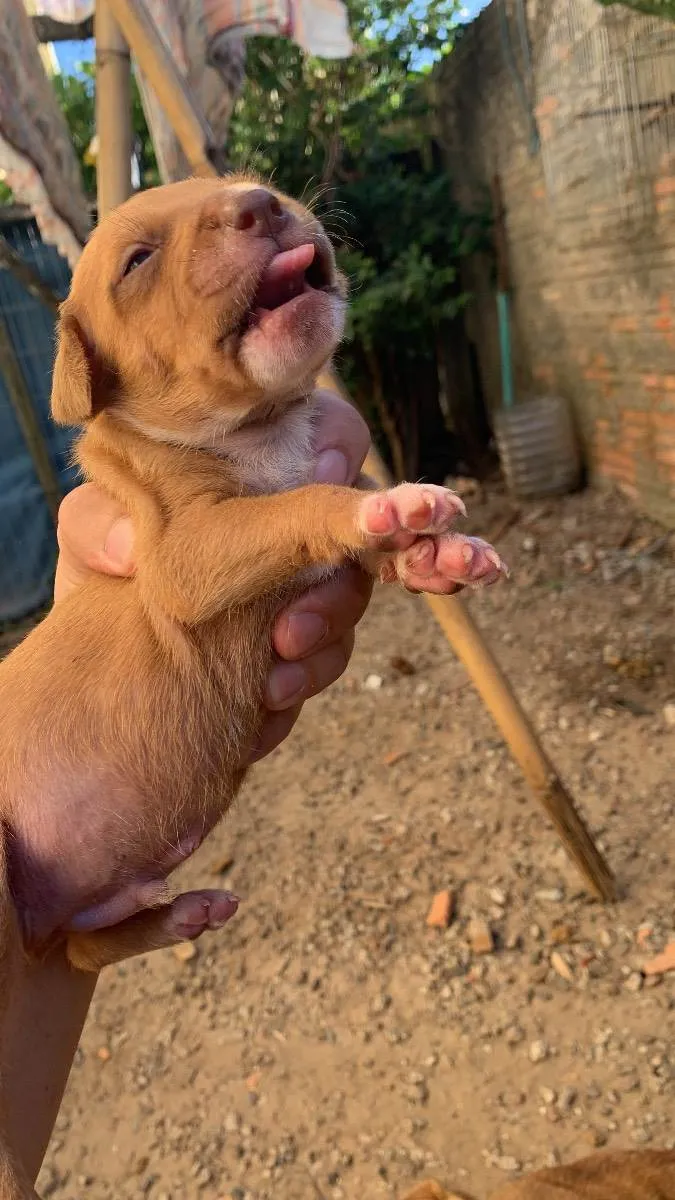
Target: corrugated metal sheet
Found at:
27, 537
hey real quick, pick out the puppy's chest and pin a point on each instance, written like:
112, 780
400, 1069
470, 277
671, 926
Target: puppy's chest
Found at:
275, 459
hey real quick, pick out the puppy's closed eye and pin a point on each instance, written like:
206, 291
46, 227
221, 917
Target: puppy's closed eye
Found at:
136, 258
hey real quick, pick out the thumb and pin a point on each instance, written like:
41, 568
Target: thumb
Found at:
95, 537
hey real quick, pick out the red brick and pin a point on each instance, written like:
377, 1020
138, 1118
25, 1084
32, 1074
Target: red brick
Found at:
547, 106
665, 186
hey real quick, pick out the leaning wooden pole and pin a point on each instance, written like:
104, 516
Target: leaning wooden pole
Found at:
493, 687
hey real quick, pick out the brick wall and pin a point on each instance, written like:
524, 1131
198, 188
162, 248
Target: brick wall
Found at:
582, 134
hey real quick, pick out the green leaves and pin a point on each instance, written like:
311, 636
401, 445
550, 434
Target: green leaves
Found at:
354, 138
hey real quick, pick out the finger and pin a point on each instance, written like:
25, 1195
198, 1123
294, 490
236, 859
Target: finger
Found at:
94, 535
322, 615
289, 684
342, 440
276, 729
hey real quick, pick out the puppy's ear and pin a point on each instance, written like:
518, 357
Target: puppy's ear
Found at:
71, 382
81, 384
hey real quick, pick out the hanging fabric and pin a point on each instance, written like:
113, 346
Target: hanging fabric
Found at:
68, 12
320, 27
37, 160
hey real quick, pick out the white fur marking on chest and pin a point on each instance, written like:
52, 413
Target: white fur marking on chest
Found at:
276, 457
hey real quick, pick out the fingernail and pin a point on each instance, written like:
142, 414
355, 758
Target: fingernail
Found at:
331, 467
119, 544
305, 632
286, 685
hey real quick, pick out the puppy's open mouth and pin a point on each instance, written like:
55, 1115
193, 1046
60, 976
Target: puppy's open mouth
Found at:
290, 274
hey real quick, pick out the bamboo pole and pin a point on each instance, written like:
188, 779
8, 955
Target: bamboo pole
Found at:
190, 127
493, 687
21, 402
113, 110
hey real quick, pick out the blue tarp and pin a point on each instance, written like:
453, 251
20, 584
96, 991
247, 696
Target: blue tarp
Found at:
27, 536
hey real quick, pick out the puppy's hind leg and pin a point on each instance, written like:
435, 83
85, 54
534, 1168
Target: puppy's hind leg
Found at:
185, 919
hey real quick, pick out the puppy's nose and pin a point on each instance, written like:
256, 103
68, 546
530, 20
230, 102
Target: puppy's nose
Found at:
258, 212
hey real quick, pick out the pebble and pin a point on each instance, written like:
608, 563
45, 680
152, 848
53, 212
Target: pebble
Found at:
507, 1162
634, 982
441, 912
480, 937
373, 683
562, 967
538, 1052
669, 714
184, 951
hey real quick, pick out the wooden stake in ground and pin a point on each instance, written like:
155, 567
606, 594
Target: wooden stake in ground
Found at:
459, 628
493, 688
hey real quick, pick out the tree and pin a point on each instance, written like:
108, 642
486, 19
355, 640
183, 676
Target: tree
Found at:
355, 138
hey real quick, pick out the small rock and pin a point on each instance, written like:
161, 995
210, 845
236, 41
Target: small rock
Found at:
538, 1052
561, 935
529, 544
662, 963
402, 665
103, 1053
566, 1100
595, 1138
185, 951
480, 937
550, 895
634, 982
498, 896
562, 967
548, 1096
514, 1035
669, 715
373, 683
442, 910
507, 1162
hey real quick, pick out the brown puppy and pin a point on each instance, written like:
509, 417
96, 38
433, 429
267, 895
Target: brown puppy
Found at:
199, 317
616, 1175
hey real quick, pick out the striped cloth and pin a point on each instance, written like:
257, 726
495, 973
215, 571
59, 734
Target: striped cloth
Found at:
320, 27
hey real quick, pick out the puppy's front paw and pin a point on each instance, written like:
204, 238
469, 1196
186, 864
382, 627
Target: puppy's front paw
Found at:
397, 517
442, 565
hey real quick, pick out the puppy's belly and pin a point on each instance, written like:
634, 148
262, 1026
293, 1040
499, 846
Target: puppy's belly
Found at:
118, 755
98, 850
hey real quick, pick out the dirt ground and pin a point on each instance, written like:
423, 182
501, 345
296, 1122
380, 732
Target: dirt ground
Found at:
328, 1043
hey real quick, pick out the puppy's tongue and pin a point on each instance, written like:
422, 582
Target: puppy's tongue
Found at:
284, 278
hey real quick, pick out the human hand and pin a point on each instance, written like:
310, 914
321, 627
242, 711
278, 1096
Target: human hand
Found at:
313, 639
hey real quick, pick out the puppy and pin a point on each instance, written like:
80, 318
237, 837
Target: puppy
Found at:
616, 1175
199, 317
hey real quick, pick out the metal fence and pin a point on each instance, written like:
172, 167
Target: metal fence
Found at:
27, 531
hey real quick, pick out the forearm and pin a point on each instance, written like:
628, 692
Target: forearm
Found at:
218, 554
48, 1006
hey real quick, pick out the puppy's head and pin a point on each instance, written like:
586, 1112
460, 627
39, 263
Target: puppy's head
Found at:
196, 308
